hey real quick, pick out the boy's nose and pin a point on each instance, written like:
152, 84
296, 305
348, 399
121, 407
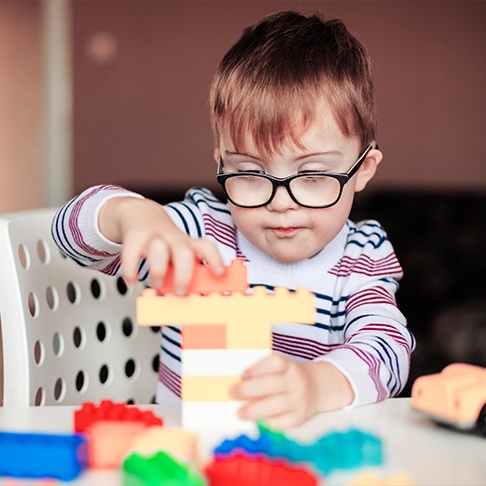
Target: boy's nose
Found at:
282, 201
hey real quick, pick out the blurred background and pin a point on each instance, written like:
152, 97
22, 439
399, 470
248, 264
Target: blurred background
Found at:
116, 92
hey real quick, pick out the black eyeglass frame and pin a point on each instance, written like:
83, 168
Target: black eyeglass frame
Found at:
342, 178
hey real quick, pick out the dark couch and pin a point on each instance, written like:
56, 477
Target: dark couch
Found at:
439, 240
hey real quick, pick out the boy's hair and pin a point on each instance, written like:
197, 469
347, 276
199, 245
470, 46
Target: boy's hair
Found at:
270, 83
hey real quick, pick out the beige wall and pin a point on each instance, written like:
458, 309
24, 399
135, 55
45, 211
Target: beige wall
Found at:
141, 114
21, 151
21, 173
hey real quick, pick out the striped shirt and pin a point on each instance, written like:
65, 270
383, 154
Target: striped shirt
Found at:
358, 326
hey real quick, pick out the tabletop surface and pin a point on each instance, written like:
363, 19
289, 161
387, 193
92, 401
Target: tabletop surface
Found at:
414, 445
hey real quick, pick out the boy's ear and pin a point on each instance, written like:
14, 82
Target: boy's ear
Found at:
216, 154
368, 169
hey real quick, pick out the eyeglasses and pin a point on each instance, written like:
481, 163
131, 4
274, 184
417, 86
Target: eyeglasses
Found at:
308, 189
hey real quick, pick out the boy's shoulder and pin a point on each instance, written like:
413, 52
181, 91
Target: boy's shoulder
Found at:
367, 254
365, 236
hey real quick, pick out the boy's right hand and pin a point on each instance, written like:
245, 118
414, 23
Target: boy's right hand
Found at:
145, 230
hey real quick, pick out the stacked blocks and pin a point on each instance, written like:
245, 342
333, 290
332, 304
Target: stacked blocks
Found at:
224, 331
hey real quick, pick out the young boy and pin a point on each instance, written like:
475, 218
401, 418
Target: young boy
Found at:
294, 120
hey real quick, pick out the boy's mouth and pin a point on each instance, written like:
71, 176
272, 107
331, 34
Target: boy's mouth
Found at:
285, 231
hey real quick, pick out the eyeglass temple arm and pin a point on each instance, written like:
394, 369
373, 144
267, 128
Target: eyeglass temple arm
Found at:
372, 146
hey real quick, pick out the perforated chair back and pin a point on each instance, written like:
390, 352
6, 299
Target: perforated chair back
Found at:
69, 334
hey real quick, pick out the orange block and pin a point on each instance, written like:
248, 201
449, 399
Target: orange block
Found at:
110, 441
206, 336
203, 281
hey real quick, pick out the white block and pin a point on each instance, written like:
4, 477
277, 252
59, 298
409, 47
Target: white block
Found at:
216, 416
219, 362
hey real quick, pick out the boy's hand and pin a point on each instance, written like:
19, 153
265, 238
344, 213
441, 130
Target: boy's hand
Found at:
146, 231
285, 393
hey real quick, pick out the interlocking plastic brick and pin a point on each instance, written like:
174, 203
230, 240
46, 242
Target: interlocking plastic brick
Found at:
110, 441
203, 281
456, 396
108, 410
205, 336
179, 442
209, 362
241, 470
208, 388
215, 415
373, 480
248, 317
28, 455
159, 469
336, 450
346, 450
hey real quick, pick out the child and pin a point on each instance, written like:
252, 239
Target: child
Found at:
294, 121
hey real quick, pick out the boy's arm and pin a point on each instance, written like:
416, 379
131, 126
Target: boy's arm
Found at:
108, 228
371, 364
376, 345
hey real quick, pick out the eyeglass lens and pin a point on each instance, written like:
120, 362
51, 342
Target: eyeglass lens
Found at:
312, 190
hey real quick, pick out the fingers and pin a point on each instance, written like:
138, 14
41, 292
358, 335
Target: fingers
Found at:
206, 251
180, 251
272, 364
274, 410
183, 259
276, 390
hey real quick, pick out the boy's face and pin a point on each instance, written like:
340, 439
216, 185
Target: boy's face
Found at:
282, 229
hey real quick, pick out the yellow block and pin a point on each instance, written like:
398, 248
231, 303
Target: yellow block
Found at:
248, 318
237, 308
179, 442
208, 388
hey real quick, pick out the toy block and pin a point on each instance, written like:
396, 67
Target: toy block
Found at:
456, 396
208, 388
160, 469
110, 441
219, 362
205, 336
181, 443
372, 480
335, 450
281, 306
249, 335
214, 415
203, 281
108, 410
241, 470
28, 455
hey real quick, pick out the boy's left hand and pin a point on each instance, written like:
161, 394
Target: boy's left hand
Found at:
285, 393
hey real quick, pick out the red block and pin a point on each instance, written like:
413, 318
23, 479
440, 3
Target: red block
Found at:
241, 470
90, 413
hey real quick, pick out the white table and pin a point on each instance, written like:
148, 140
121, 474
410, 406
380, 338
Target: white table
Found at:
414, 446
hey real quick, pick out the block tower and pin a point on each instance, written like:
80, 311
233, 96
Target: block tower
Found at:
224, 331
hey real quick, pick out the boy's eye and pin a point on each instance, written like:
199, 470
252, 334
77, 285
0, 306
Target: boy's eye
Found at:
252, 171
311, 171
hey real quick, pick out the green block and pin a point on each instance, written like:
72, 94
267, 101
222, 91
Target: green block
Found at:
160, 469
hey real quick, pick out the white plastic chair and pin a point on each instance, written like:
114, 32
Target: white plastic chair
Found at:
69, 334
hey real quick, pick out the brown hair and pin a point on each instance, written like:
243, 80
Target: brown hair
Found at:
269, 83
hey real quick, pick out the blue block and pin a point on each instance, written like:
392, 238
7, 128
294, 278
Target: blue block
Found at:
28, 455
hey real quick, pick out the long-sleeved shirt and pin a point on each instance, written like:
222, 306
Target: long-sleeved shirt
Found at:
358, 327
